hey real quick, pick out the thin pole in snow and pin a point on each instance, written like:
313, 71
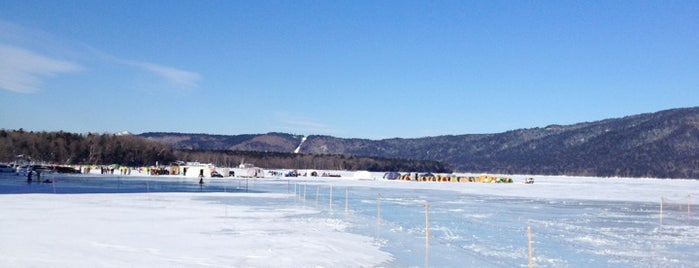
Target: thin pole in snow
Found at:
331, 197
661, 211
529, 238
346, 200
378, 214
427, 234
427, 224
317, 192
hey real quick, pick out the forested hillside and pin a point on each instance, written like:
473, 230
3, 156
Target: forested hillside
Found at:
664, 144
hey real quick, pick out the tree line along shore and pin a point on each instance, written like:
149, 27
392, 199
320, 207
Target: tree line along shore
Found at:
67, 149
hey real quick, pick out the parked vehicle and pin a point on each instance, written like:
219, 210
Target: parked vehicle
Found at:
5, 168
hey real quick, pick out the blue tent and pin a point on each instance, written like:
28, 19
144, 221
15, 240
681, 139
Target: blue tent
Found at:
391, 175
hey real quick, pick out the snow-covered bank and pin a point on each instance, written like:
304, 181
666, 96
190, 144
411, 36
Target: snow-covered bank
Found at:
174, 230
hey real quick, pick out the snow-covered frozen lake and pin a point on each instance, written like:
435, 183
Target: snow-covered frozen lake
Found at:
110, 221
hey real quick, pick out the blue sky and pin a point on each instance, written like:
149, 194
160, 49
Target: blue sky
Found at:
355, 69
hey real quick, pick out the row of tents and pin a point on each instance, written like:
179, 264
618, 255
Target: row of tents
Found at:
445, 178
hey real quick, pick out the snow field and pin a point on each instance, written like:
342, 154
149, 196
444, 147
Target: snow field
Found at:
174, 230
575, 222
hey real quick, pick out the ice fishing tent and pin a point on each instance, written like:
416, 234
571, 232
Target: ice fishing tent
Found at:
251, 172
426, 177
247, 170
391, 175
196, 169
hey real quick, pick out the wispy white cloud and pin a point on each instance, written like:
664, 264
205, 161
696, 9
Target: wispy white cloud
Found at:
23, 70
177, 77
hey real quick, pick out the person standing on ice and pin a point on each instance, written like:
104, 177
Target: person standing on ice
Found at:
201, 180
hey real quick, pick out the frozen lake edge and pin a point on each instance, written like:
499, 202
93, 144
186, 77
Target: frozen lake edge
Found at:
572, 225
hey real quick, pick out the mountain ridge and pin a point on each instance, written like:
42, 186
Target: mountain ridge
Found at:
662, 144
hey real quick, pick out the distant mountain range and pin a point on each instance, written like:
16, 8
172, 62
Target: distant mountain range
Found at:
664, 144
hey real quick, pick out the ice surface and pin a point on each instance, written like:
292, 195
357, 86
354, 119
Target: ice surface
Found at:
281, 222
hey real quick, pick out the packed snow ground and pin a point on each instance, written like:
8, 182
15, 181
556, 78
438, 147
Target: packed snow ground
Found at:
352, 222
174, 230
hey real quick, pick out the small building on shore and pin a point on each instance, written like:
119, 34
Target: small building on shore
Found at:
196, 169
247, 170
